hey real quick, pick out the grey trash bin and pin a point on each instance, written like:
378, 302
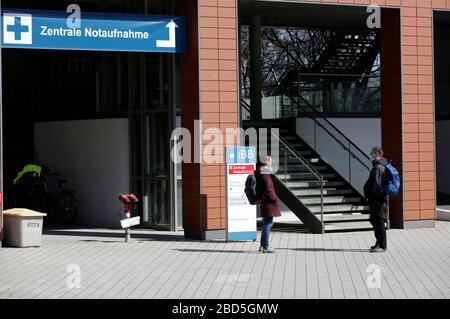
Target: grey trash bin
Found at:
22, 227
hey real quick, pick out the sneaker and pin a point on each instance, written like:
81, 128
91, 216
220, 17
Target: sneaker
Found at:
261, 249
378, 249
268, 250
374, 246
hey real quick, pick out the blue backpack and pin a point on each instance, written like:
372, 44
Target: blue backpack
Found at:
251, 190
392, 186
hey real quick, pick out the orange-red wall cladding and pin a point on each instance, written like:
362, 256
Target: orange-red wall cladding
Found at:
219, 94
217, 106
210, 93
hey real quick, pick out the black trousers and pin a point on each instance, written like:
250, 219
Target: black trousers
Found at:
378, 222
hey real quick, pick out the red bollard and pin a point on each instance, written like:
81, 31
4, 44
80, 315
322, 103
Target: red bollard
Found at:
128, 200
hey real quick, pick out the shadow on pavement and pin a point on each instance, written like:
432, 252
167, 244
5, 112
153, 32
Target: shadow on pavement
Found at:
216, 251
315, 250
137, 235
287, 227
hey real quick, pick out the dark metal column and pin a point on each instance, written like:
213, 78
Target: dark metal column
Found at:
255, 65
1, 139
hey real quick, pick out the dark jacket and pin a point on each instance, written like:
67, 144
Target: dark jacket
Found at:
373, 189
269, 204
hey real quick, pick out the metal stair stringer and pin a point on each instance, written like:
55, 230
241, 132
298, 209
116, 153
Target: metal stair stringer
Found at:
302, 212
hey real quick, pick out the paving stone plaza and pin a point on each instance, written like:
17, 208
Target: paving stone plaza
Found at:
95, 263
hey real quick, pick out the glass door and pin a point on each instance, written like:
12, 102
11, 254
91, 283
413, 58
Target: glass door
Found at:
156, 206
155, 178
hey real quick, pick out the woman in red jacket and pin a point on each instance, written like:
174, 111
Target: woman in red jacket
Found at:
269, 205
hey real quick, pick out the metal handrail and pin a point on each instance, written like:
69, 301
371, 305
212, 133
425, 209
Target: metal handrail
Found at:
319, 115
283, 141
350, 143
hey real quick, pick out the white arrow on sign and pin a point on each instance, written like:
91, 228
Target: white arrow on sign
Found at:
171, 43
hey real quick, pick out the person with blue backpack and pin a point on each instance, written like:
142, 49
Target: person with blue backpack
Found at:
383, 181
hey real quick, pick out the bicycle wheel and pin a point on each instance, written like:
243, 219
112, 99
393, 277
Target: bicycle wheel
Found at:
43, 203
66, 208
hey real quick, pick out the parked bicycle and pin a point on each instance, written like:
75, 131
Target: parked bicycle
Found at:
30, 191
65, 204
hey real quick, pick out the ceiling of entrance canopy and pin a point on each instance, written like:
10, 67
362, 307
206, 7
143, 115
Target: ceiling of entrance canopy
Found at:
295, 13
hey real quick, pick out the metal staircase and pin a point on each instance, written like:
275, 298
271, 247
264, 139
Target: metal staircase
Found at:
343, 52
320, 172
322, 62
349, 52
343, 207
309, 186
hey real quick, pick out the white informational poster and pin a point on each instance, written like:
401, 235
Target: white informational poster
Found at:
241, 216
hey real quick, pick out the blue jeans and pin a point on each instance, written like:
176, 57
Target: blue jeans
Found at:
267, 225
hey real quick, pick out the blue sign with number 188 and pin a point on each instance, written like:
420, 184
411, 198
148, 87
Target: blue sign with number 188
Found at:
241, 155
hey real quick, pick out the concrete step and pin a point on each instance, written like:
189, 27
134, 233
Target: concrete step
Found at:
303, 176
301, 152
335, 218
297, 145
294, 160
330, 200
307, 184
301, 168
341, 208
313, 160
326, 191
350, 226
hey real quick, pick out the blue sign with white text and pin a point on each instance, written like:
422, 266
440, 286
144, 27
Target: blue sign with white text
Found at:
35, 29
241, 155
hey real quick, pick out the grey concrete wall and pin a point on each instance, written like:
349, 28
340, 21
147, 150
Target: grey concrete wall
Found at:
93, 155
364, 132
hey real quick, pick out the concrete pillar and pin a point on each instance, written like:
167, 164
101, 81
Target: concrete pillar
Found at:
255, 65
327, 95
